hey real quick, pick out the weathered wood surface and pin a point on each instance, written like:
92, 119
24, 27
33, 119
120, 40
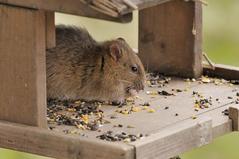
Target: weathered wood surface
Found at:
69, 6
182, 104
170, 38
175, 139
50, 30
47, 143
22, 66
170, 135
223, 71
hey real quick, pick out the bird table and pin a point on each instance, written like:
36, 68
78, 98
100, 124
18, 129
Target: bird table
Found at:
170, 42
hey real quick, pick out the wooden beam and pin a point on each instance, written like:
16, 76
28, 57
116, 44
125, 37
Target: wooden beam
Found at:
170, 38
234, 116
142, 4
69, 6
50, 30
175, 140
223, 71
47, 143
22, 66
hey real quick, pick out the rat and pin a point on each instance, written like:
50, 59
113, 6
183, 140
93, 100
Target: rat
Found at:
79, 67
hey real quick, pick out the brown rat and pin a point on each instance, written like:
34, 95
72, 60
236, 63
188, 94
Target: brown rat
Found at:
81, 68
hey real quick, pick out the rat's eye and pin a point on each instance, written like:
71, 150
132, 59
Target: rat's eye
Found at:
134, 69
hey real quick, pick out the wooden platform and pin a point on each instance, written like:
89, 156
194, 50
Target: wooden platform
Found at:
167, 129
165, 133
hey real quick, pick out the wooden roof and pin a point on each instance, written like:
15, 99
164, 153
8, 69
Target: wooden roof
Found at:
114, 10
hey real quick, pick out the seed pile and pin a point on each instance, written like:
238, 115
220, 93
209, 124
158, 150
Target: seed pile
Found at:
201, 102
157, 80
86, 116
82, 115
110, 136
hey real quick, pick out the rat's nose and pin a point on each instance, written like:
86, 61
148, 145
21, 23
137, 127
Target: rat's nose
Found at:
139, 86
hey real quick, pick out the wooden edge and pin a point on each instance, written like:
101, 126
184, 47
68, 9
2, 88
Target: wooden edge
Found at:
142, 4
69, 7
234, 116
222, 128
176, 139
222, 71
52, 144
50, 30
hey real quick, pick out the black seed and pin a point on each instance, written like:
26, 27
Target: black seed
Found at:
165, 93
120, 125
166, 108
146, 104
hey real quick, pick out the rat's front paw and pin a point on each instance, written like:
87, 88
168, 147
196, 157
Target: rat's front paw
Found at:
118, 102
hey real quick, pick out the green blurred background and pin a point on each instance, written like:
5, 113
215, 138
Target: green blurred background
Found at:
221, 43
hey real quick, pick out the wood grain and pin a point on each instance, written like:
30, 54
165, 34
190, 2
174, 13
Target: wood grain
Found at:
22, 66
47, 143
50, 30
175, 140
170, 38
69, 6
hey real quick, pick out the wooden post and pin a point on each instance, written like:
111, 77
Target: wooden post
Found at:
170, 38
50, 30
234, 116
22, 66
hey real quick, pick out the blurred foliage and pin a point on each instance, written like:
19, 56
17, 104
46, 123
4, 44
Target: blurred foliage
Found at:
221, 43
221, 32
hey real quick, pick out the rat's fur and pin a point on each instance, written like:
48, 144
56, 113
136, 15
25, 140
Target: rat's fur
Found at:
81, 68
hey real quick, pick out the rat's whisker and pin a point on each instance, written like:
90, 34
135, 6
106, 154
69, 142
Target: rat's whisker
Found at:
125, 81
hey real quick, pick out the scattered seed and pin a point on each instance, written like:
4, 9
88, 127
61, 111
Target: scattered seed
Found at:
110, 136
130, 126
165, 93
120, 125
225, 112
146, 104
205, 79
194, 117
235, 82
135, 109
151, 110
166, 108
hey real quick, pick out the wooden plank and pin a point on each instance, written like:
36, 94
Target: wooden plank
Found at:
142, 4
175, 139
169, 135
183, 136
223, 71
22, 66
170, 38
69, 6
234, 116
50, 30
44, 142
149, 123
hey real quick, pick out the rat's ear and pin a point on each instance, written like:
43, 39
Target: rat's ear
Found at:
115, 51
121, 39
